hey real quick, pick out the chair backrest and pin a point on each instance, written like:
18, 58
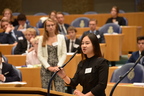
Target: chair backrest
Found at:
121, 11
136, 75
40, 14
39, 24
126, 20
5, 59
90, 12
13, 49
65, 13
15, 13
18, 72
110, 27
81, 22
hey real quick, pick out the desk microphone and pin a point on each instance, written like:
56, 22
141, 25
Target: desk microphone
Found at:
122, 77
48, 89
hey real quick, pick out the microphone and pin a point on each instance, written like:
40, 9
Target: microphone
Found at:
48, 89
122, 77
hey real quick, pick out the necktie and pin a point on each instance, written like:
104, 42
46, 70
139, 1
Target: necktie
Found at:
62, 29
72, 47
30, 45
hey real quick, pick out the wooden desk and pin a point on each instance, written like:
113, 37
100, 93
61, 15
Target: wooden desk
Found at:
16, 60
6, 49
113, 47
130, 38
29, 91
31, 76
111, 70
1, 30
125, 90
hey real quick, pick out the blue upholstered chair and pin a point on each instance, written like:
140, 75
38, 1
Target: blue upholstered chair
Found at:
90, 12
115, 28
12, 51
40, 14
65, 13
15, 13
136, 75
18, 72
126, 20
39, 24
121, 11
80, 22
5, 59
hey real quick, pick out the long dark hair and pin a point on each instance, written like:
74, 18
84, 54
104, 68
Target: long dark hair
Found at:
96, 47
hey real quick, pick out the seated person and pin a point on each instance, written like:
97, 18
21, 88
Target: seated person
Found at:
7, 73
25, 46
22, 25
72, 43
53, 15
7, 13
62, 27
92, 26
115, 18
135, 55
31, 57
10, 36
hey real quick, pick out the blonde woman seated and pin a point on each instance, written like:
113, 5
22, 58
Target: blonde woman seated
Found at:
31, 58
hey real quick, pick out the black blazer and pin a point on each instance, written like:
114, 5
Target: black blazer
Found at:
77, 41
21, 47
98, 34
9, 39
66, 27
9, 73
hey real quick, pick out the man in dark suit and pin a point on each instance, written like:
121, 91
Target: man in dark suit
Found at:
25, 46
135, 55
72, 43
9, 36
61, 26
7, 73
92, 26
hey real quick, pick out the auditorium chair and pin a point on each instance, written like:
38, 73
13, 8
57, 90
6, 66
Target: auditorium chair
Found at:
5, 59
18, 72
40, 14
90, 12
15, 13
65, 13
136, 75
81, 22
115, 28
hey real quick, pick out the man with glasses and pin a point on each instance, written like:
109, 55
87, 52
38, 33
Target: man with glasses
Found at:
135, 55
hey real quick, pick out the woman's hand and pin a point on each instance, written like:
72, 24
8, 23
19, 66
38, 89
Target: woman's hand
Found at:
53, 69
78, 93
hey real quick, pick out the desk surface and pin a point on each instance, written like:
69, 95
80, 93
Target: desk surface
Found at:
124, 89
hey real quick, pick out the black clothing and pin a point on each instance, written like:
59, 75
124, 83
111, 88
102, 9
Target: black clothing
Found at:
121, 20
96, 79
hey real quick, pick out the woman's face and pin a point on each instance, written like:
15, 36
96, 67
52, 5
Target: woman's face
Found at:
7, 14
87, 47
113, 12
50, 26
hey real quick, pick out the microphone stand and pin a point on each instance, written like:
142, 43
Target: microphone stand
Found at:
122, 77
48, 90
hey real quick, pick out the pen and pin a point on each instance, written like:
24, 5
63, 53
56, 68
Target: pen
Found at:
6, 73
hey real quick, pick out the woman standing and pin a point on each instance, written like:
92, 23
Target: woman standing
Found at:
52, 54
92, 71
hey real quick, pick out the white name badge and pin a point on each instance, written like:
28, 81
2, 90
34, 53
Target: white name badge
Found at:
55, 43
20, 38
98, 36
88, 70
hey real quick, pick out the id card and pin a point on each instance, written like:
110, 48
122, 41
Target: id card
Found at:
88, 70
